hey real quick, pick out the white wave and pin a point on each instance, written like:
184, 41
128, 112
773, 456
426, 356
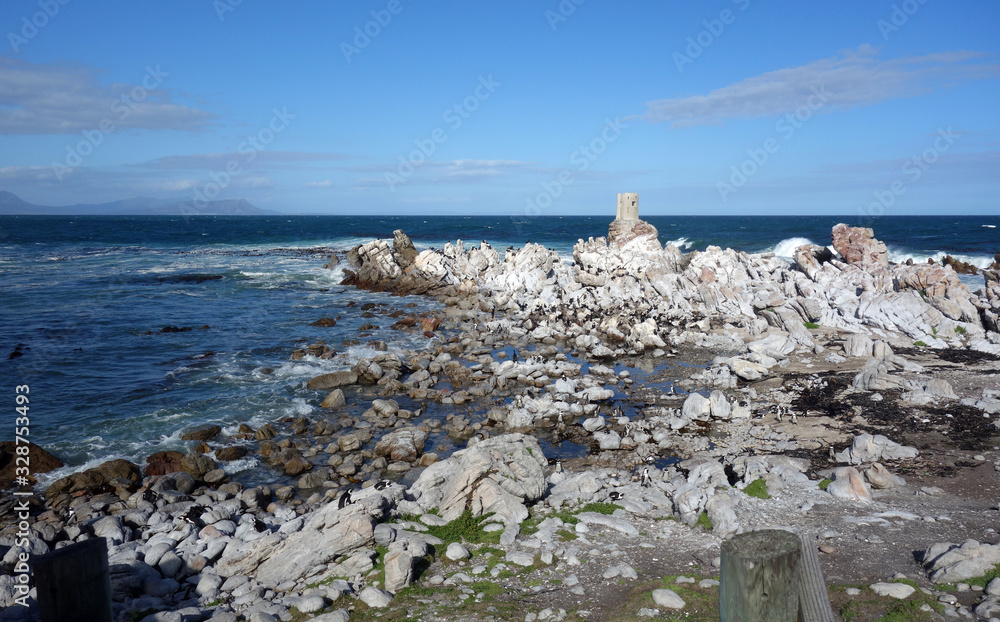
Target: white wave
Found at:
902, 255
682, 243
990, 226
235, 467
786, 248
298, 407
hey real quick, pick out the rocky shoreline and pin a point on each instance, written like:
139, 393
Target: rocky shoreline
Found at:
619, 417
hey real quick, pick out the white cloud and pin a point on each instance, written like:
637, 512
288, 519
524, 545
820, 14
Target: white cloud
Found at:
40, 98
855, 78
326, 183
261, 159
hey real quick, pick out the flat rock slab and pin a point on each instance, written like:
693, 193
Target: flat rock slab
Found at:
618, 524
895, 590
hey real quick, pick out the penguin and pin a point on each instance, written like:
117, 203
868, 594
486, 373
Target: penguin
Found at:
646, 480
382, 484
559, 466
614, 495
150, 495
833, 454
672, 392
193, 515
344, 501
258, 525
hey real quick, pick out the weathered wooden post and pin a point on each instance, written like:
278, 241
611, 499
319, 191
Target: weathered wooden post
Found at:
73, 583
758, 581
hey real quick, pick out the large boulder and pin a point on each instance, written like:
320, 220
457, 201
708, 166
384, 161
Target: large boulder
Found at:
857, 245
163, 462
40, 460
949, 563
497, 475
405, 444
873, 448
117, 474
328, 533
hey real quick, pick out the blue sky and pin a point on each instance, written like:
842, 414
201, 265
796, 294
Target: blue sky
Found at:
506, 108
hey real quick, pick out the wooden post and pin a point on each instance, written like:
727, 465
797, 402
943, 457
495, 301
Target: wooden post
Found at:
758, 581
814, 600
73, 583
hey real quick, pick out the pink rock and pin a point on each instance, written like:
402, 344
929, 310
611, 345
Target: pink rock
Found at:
857, 245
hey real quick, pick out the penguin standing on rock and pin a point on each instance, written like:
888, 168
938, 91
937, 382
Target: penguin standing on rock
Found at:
258, 525
646, 479
150, 495
344, 501
193, 515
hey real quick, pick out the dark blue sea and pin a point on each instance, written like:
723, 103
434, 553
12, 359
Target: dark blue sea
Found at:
87, 298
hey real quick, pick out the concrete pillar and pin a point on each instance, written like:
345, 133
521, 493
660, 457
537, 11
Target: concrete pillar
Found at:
628, 206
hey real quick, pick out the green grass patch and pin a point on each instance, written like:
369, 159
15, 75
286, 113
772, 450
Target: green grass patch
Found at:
824, 483
810, 325
567, 534
466, 528
566, 517
490, 589
960, 330
704, 522
600, 508
919, 344
757, 488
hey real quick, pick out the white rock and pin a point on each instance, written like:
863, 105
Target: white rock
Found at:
374, 597
895, 590
456, 552
668, 598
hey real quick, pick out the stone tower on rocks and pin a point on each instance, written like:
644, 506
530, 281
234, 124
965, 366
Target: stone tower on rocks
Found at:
627, 227
628, 206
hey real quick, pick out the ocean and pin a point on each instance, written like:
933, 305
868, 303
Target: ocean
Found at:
86, 300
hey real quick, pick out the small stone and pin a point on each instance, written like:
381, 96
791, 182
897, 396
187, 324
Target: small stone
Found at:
993, 587
456, 552
895, 590
374, 597
668, 598
852, 591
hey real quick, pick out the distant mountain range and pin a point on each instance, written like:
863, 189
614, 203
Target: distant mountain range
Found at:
11, 204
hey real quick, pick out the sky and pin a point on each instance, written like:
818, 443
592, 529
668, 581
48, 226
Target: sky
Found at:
421, 107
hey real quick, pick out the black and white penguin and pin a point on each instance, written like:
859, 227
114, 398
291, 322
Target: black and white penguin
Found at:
344, 501
382, 484
193, 515
258, 525
646, 479
150, 495
614, 495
